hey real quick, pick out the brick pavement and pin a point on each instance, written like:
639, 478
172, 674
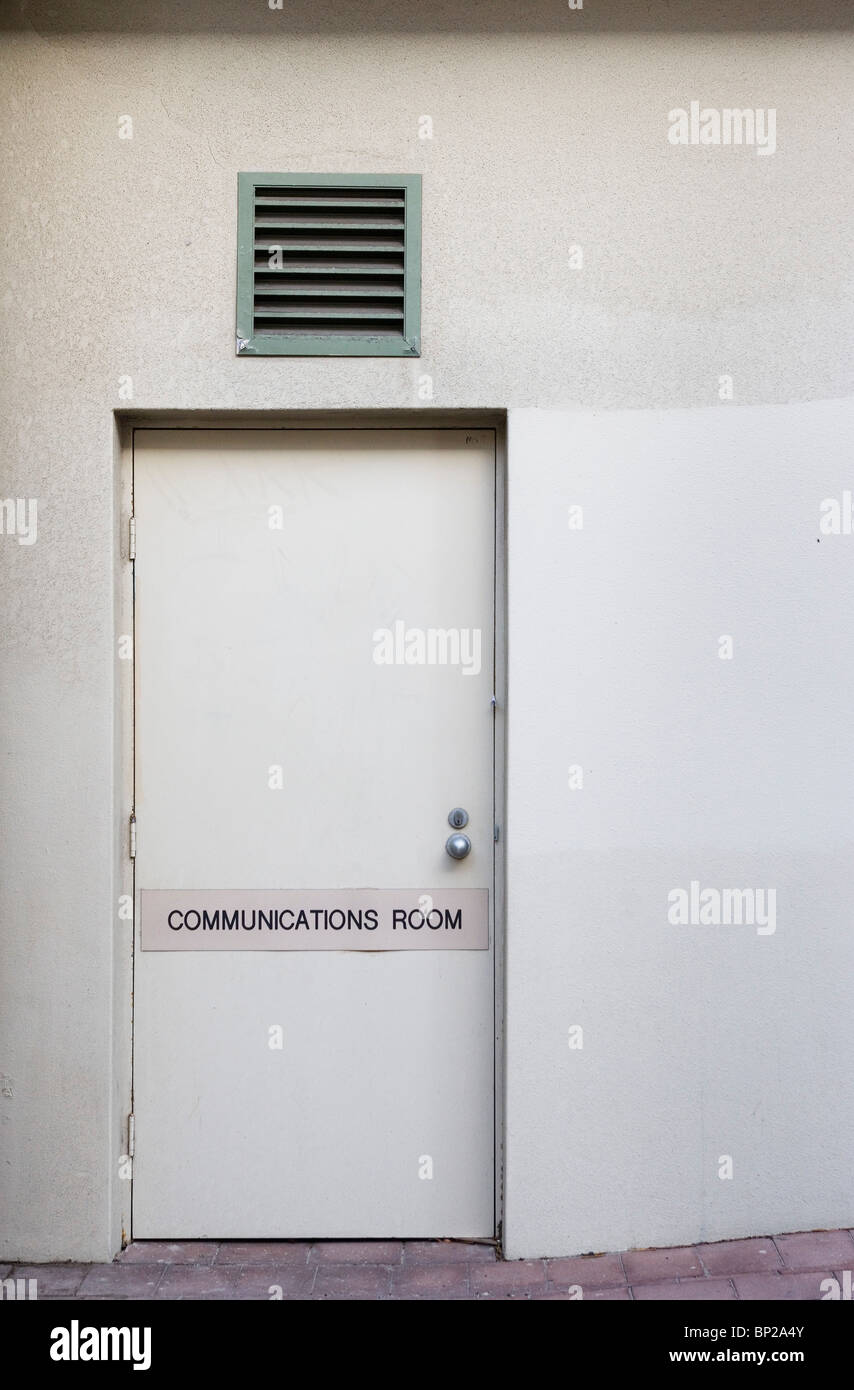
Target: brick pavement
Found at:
768, 1268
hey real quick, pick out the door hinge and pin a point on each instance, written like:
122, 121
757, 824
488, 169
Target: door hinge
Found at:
132, 838
496, 831
132, 538
131, 1136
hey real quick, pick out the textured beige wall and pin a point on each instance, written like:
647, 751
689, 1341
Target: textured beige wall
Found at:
118, 261
697, 261
703, 1041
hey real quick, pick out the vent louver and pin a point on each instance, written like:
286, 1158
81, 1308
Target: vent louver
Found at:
329, 264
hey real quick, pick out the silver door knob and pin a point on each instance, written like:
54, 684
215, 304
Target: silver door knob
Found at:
458, 846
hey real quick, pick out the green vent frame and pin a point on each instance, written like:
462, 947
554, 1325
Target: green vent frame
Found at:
330, 247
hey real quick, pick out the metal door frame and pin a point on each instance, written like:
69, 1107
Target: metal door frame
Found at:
125, 425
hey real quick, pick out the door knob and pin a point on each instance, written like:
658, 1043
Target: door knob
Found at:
458, 846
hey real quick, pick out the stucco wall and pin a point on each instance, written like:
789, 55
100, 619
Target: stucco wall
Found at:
118, 262
705, 1041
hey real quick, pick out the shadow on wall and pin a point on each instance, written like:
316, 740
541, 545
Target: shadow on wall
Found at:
453, 16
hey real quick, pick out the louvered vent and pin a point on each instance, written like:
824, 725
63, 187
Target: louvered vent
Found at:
332, 265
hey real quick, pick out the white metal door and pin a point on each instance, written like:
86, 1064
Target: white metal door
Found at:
295, 732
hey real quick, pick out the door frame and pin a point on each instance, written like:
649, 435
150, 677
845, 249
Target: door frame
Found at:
125, 425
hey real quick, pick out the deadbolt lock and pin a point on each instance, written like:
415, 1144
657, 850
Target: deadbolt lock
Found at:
458, 818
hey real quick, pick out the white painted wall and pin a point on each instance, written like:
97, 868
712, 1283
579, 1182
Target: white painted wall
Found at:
698, 1041
118, 260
